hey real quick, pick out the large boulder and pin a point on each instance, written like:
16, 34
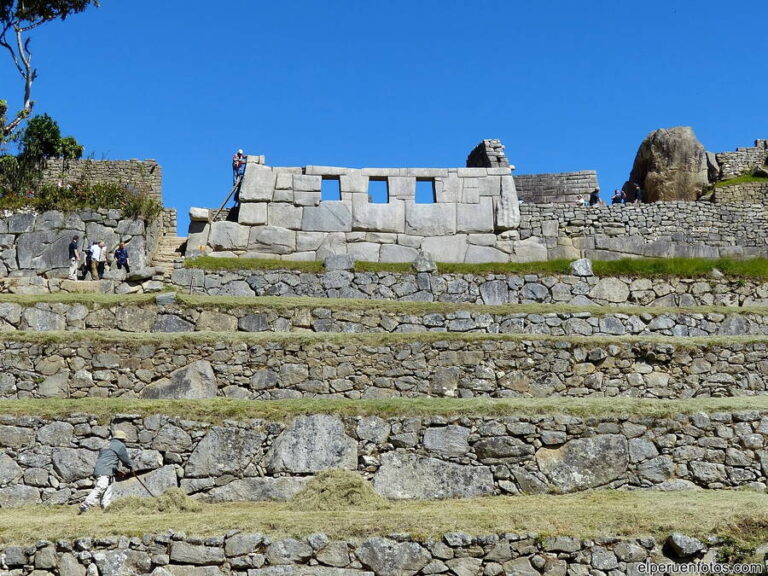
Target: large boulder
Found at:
404, 476
585, 462
192, 382
313, 443
224, 451
390, 558
671, 164
151, 485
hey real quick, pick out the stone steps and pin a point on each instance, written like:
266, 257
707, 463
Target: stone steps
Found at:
168, 253
405, 457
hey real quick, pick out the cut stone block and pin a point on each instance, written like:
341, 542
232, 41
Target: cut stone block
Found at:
447, 189
353, 182
272, 240
304, 183
303, 198
430, 219
508, 208
446, 248
325, 170
284, 215
397, 253
258, 184
475, 217
403, 188
480, 254
329, 216
252, 213
228, 236
198, 214
364, 251
388, 217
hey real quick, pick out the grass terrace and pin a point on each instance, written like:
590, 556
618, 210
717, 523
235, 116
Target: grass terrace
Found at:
756, 268
744, 179
738, 516
217, 410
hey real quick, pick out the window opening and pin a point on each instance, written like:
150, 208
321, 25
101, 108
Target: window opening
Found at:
330, 189
425, 191
378, 191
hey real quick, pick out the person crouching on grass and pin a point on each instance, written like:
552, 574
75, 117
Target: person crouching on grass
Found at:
104, 471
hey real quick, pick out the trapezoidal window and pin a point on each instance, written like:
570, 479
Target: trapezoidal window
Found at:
330, 188
425, 191
378, 191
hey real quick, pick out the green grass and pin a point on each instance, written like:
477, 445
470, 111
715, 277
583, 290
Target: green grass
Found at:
363, 339
740, 516
743, 179
229, 264
640, 267
217, 410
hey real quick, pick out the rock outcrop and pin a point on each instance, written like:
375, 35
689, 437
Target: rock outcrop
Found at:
671, 164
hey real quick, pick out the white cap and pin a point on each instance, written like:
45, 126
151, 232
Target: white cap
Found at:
240, 151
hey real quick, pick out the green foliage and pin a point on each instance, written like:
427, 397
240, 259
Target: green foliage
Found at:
35, 12
41, 140
212, 263
682, 267
743, 179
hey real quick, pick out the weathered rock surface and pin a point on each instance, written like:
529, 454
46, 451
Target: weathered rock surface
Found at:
585, 463
194, 381
311, 444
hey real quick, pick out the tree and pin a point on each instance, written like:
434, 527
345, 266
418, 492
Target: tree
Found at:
17, 18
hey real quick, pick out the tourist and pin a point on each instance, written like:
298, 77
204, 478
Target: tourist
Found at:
121, 258
74, 257
94, 256
579, 200
618, 197
102, 259
594, 197
105, 469
238, 165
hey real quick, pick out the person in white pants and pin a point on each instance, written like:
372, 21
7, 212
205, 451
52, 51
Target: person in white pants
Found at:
104, 471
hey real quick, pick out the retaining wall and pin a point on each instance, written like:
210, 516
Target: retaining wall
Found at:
748, 193
175, 554
561, 188
181, 317
743, 160
489, 289
405, 458
379, 367
138, 175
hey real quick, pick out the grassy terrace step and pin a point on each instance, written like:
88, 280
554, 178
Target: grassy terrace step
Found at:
737, 515
218, 410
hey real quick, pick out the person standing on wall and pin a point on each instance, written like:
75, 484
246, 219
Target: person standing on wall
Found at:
104, 471
121, 258
238, 165
74, 257
95, 255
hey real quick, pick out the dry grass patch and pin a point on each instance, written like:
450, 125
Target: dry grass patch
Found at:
220, 409
336, 490
585, 515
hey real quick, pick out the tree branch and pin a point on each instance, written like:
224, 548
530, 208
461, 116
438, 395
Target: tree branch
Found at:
22, 57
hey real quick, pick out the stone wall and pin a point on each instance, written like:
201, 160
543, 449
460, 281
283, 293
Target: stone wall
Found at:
168, 222
562, 188
405, 458
256, 317
477, 289
176, 554
377, 366
139, 175
746, 193
658, 230
488, 154
33, 244
743, 160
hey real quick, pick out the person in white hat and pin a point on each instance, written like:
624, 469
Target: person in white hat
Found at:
238, 165
104, 471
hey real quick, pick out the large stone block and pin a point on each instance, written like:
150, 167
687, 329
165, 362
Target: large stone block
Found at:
370, 217
446, 248
311, 444
404, 476
397, 253
353, 182
45, 250
585, 463
258, 184
531, 249
390, 558
156, 482
194, 381
480, 254
447, 189
364, 251
430, 219
401, 187
19, 495
328, 216
224, 451
228, 236
475, 217
284, 215
272, 240
258, 489
252, 213
305, 183
72, 464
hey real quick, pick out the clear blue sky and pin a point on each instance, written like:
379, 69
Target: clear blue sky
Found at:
565, 85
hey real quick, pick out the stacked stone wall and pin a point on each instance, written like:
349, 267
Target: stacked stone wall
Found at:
561, 188
168, 222
489, 289
153, 318
176, 554
405, 458
743, 160
376, 366
138, 175
746, 193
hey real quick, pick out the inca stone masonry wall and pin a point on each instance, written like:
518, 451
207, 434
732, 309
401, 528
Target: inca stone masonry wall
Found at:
36, 244
743, 160
137, 175
489, 289
404, 458
748, 193
561, 188
378, 366
153, 318
176, 554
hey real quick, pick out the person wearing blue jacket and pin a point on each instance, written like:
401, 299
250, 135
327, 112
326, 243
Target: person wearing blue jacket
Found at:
105, 469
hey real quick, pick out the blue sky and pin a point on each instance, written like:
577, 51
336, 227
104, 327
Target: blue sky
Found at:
565, 85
